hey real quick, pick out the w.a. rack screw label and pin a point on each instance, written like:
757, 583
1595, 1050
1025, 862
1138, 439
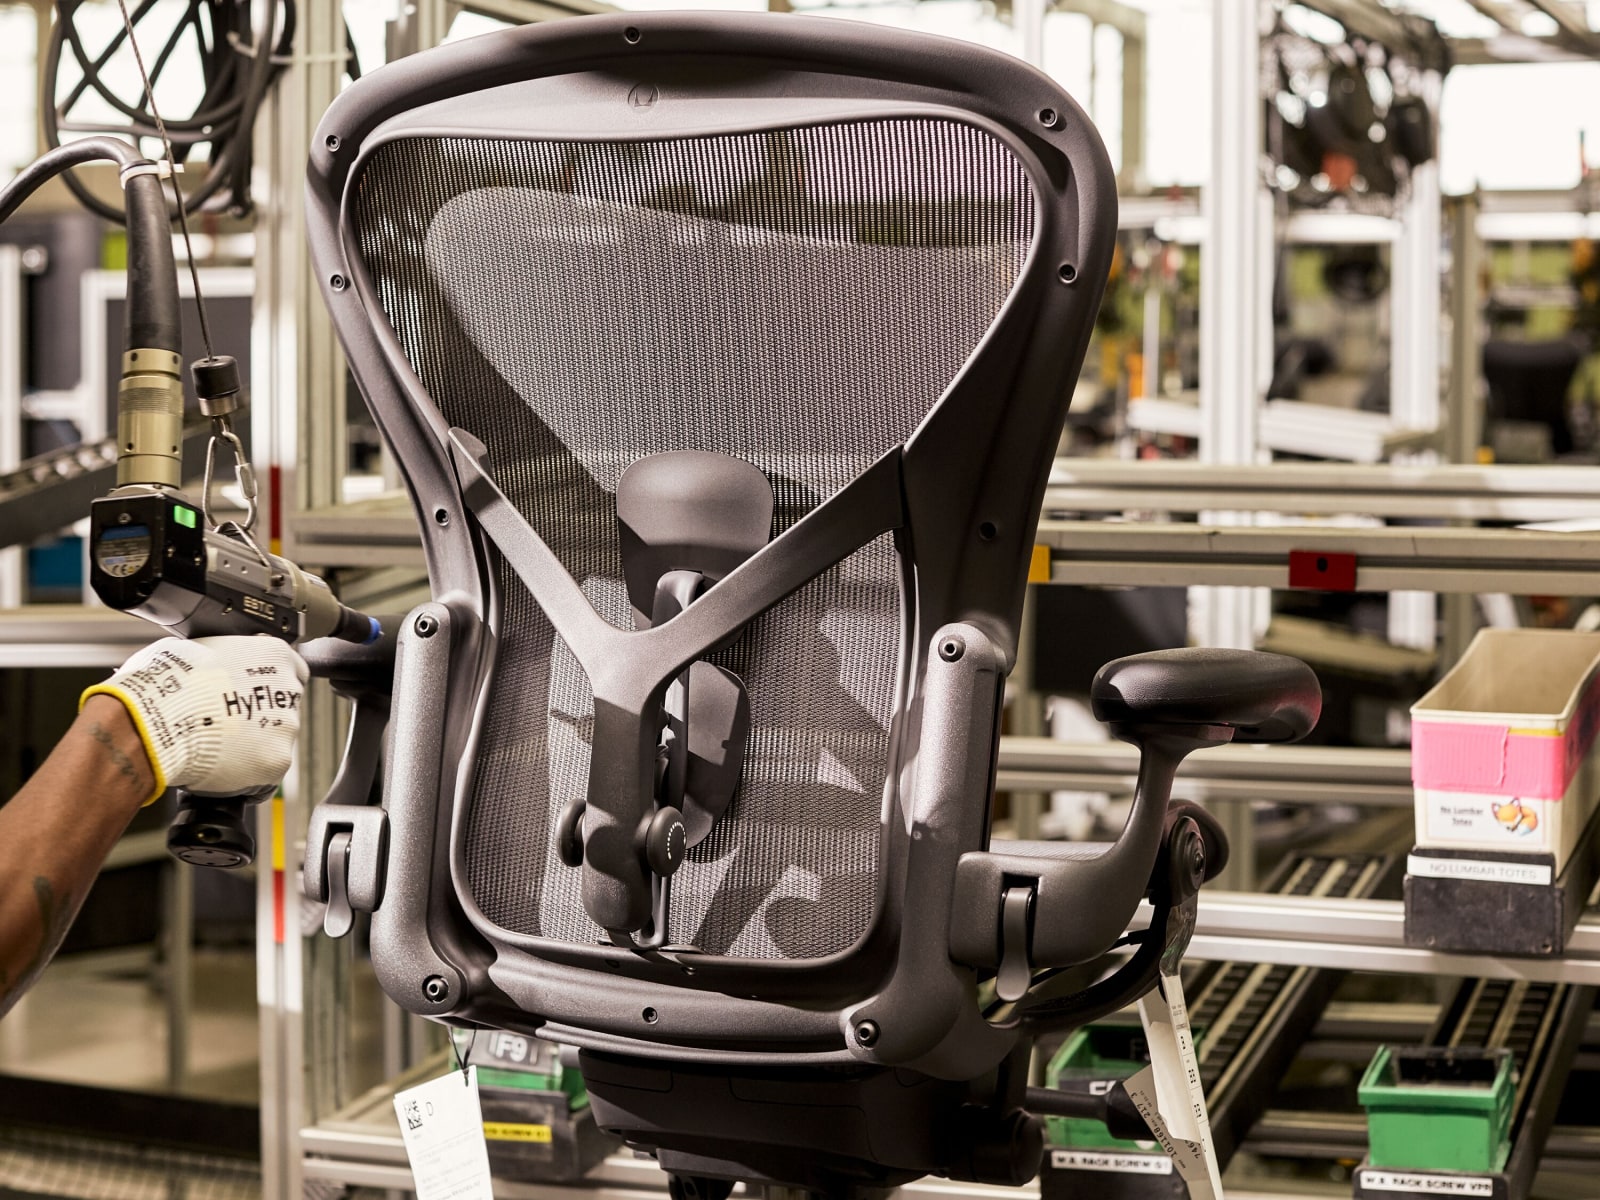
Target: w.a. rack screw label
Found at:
1435, 1185
1094, 1160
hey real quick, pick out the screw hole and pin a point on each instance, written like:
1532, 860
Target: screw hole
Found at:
332, 141
1048, 117
337, 283
988, 531
631, 35
651, 1016
441, 517
950, 650
1067, 272
1322, 564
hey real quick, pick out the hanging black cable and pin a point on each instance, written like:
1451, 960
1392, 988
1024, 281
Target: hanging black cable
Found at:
152, 309
227, 37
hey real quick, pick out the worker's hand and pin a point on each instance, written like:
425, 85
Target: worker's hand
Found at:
217, 716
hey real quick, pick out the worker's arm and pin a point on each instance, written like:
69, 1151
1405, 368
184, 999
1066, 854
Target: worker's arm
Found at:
218, 716
58, 829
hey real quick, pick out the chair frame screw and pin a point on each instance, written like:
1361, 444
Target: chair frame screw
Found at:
434, 987
867, 1033
427, 626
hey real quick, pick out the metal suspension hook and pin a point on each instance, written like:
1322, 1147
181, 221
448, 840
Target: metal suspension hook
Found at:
244, 474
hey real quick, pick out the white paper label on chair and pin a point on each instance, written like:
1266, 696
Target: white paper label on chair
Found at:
441, 1122
1168, 1094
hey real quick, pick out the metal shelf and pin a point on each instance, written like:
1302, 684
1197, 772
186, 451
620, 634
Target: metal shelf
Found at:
360, 1146
1289, 774
1430, 559
1495, 493
380, 532
70, 635
1362, 935
1294, 427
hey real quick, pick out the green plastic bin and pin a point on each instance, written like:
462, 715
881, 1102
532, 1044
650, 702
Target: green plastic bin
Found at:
1113, 1049
1439, 1108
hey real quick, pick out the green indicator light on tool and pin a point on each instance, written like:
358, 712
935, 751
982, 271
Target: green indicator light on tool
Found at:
184, 516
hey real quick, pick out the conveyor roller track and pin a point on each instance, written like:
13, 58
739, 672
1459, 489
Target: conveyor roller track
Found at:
49, 492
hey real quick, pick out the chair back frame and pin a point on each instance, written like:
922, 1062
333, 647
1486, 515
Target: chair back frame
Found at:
961, 498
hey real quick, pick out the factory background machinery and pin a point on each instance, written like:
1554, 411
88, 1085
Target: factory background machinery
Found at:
1339, 407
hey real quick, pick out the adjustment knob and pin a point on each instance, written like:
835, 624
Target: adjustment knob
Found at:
1186, 860
569, 832
666, 841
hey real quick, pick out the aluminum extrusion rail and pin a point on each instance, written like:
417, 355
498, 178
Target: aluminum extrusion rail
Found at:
70, 635
381, 531
1444, 492
1430, 559
1362, 935
1289, 774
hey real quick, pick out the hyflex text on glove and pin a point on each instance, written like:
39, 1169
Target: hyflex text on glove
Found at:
218, 716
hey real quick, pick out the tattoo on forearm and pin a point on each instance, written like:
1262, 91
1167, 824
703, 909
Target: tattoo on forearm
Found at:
55, 916
125, 765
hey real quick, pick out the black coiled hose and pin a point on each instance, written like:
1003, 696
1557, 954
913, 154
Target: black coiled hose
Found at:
232, 40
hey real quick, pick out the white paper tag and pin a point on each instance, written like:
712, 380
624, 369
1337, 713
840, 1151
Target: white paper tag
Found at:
1168, 1094
1109, 1160
441, 1122
1490, 871
1441, 1185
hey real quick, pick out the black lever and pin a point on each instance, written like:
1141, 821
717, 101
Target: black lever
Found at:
347, 841
1093, 1100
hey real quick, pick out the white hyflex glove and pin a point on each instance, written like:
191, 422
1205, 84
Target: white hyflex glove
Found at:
217, 715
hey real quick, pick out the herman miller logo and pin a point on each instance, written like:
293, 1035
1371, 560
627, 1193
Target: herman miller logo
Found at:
260, 700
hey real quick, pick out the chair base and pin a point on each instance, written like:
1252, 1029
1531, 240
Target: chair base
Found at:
841, 1132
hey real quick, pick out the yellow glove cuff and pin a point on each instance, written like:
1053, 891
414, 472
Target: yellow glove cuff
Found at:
116, 693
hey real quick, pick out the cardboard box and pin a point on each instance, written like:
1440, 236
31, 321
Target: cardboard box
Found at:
1503, 749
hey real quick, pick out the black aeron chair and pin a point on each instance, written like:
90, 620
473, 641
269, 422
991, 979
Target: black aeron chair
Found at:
725, 357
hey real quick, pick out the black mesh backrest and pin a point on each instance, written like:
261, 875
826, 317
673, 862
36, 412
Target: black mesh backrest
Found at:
799, 299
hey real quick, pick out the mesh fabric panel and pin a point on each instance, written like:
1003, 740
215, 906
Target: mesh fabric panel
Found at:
797, 299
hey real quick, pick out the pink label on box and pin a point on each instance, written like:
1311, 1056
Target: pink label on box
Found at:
1451, 757
1460, 758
